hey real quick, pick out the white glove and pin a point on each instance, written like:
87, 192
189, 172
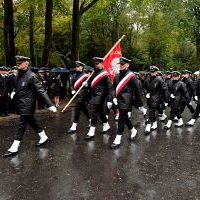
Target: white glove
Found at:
53, 109
172, 96
147, 95
12, 95
73, 92
85, 83
115, 101
196, 98
109, 105
166, 104
143, 110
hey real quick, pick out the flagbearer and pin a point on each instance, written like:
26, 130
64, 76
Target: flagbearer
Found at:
126, 85
27, 88
100, 93
81, 105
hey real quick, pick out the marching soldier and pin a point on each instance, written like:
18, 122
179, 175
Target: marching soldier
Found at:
197, 99
100, 92
4, 91
81, 105
27, 87
190, 88
178, 92
156, 91
127, 86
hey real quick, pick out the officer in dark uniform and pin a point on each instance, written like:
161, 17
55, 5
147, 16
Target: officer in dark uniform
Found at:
197, 100
12, 80
163, 104
127, 86
178, 92
190, 88
4, 91
156, 91
100, 91
27, 87
41, 103
81, 101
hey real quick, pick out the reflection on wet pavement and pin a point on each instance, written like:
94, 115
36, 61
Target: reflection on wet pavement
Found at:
162, 165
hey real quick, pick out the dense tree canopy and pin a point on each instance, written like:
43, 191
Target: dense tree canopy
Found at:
158, 32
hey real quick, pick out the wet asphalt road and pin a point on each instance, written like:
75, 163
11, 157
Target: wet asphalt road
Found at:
163, 165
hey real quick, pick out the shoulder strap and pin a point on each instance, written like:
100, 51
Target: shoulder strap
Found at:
124, 82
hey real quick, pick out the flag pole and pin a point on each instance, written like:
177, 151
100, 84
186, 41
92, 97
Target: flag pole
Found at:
91, 74
76, 93
114, 47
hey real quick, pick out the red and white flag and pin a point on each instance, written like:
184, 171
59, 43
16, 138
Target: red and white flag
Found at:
111, 62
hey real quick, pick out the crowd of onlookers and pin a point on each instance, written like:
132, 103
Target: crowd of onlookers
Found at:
57, 86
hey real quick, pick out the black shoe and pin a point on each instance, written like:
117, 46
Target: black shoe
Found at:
147, 132
166, 128
40, 144
178, 126
88, 137
105, 132
70, 131
114, 146
189, 125
9, 154
132, 138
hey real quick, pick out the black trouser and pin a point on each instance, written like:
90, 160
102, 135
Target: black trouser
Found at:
113, 108
196, 112
175, 112
24, 120
152, 114
190, 107
4, 103
161, 108
41, 104
95, 111
123, 119
80, 106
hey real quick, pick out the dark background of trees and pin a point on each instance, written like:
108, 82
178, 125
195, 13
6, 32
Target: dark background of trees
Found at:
56, 32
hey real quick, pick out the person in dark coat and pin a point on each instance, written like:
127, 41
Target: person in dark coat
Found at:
126, 87
156, 91
12, 80
196, 113
100, 93
82, 99
4, 91
57, 89
178, 92
27, 87
40, 75
190, 88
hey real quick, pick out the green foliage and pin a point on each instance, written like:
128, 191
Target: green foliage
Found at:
159, 32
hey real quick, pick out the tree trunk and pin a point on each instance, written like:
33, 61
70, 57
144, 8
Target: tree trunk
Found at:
75, 31
78, 11
31, 35
48, 33
9, 43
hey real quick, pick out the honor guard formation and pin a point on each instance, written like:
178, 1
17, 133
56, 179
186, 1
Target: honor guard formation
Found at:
150, 92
